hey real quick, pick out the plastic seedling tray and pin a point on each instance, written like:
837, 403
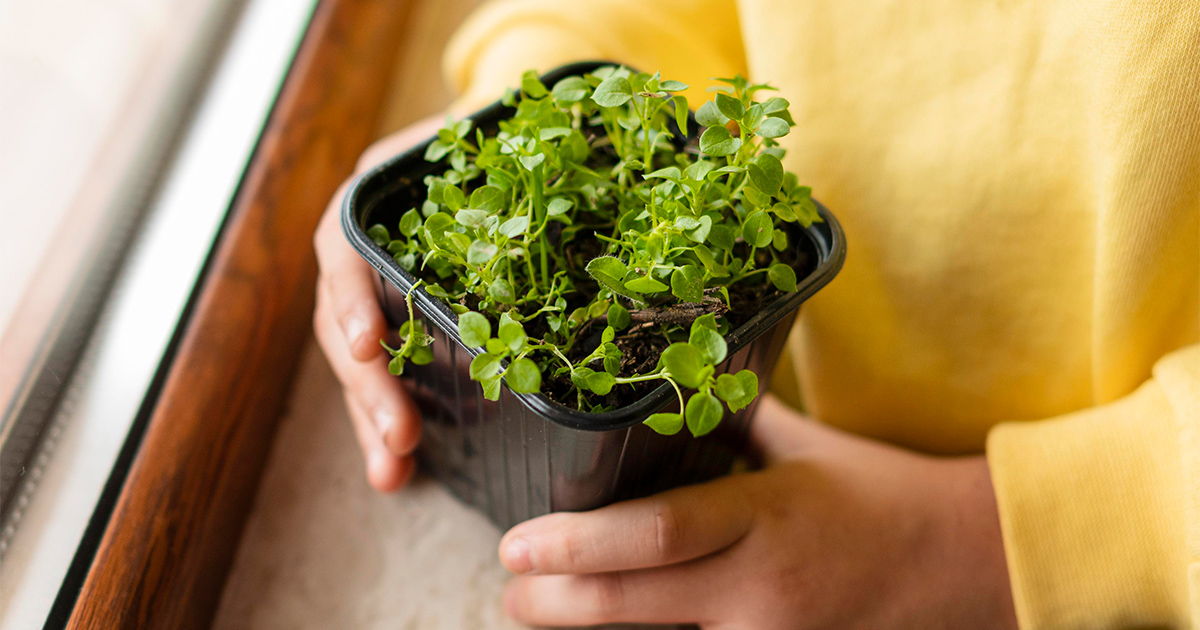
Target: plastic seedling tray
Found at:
524, 455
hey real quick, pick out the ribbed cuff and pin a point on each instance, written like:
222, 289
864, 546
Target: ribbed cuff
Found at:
1092, 512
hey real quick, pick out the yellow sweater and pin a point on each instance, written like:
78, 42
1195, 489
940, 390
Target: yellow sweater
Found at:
1020, 186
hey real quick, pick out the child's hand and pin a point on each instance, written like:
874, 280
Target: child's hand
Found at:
349, 324
837, 532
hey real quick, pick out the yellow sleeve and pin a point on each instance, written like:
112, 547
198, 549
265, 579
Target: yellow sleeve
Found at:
688, 41
1100, 509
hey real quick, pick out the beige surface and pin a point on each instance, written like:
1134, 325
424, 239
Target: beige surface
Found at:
322, 550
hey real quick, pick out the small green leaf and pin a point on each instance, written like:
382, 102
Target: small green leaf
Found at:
684, 362
379, 235
474, 329
501, 291
422, 355
698, 170
729, 388
396, 366
749, 382
665, 423
710, 263
453, 198
670, 172
709, 116
496, 348
708, 321
709, 342
681, 113
687, 283
717, 142
772, 127
700, 232
531, 85
487, 198
782, 276
550, 133
601, 382
613, 91
775, 104
731, 107
471, 218
531, 162
672, 86
618, 317
491, 387
484, 365
438, 223
784, 211
436, 151
753, 117
612, 363
646, 284
481, 252
515, 226
579, 376
523, 376
703, 413
611, 272
721, 236
512, 335
779, 240
410, 222
757, 229
570, 90
766, 172
558, 206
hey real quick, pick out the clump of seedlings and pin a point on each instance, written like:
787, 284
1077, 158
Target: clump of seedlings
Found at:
593, 251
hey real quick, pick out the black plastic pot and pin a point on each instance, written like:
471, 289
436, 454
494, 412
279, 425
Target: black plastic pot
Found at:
525, 455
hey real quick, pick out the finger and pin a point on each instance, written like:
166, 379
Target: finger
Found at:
667, 528
661, 595
386, 472
381, 396
351, 283
781, 433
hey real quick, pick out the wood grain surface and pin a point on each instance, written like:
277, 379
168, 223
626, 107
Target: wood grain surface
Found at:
168, 546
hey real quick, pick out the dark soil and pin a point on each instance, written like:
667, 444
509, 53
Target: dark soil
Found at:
656, 327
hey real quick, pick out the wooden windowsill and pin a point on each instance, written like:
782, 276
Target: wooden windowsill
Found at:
167, 548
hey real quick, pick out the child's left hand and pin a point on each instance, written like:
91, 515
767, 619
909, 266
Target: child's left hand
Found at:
837, 532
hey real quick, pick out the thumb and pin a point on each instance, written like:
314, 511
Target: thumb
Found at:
780, 433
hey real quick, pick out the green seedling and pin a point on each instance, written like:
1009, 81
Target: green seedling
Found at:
587, 217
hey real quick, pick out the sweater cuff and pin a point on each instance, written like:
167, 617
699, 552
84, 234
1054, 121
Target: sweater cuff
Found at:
1092, 513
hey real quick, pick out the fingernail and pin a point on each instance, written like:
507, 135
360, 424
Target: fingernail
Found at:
385, 422
516, 556
377, 461
356, 327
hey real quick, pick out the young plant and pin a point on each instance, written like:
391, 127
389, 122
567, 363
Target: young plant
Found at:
587, 228
414, 344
